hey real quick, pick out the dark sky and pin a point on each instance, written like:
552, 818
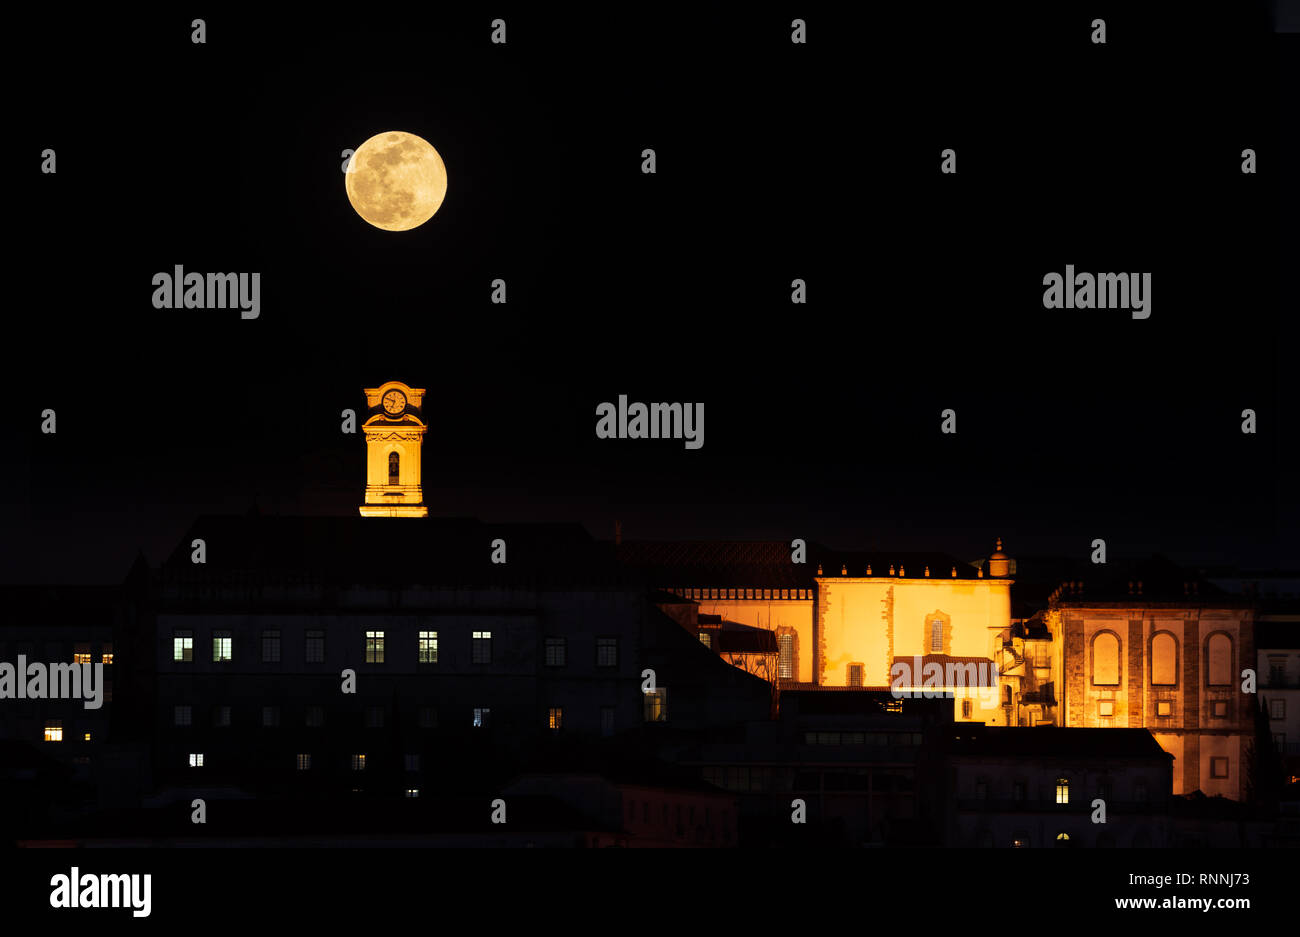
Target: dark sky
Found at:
774, 162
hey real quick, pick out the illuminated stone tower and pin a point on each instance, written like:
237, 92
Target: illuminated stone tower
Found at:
394, 435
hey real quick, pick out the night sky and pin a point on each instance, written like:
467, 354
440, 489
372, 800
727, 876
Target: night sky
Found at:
775, 161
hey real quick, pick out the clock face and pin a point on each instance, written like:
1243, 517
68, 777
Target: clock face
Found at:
394, 402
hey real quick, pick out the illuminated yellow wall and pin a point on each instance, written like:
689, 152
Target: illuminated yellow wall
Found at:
875, 619
774, 614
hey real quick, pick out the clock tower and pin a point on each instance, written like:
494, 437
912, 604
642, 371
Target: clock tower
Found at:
394, 435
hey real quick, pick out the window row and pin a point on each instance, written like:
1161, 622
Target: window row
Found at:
801, 595
1162, 663
82, 651
556, 648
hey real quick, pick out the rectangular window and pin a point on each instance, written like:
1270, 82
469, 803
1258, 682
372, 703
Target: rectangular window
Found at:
412, 762
966, 708
1106, 708
183, 646
1220, 709
54, 730
315, 649
1277, 673
107, 656
936, 635
358, 762
196, 759
81, 654
481, 717
1218, 767
1277, 709
607, 720
656, 705
182, 715
855, 675
1279, 741
412, 792
1164, 708
221, 646
270, 717
1062, 790
556, 652
374, 647
270, 647
221, 717
1018, 791
607, 652
981, 789
315, 717
428, 717
554, 717
706, 639
304, 762
785, 657
480, 647
374, 717
428, 647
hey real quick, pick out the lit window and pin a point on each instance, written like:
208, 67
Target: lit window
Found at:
107, 656
304, 762
196, 759
183, 646
1164, 708
706, 639
270, 647
412, 792
481, 717
855, 675
412, 762
270, 717
428, 647
81, 654
1106, 708
221, 717
656, 705
785, 657
1218, 767
936, 635
374, 647
375, 717
54, 730
1164, 659
358, 762
315, 647
1062, 839
428, 717
556, 652
1062, 790
315, 717
607, 720
607, 652
221, 646
182, 715
481, 647
87, 737
1218, 665
1105, 659
554, 717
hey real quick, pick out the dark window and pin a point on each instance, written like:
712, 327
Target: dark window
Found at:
393, 472
555, 652
607, 652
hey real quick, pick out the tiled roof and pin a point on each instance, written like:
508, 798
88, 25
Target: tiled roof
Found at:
984, 668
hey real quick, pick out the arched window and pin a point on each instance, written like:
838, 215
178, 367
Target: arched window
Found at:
1105, 659
393, 463
1218, 660
1164, 659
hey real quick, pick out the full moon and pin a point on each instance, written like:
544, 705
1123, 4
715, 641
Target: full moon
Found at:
396, 180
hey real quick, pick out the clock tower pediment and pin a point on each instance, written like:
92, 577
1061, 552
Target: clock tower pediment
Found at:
394, 432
